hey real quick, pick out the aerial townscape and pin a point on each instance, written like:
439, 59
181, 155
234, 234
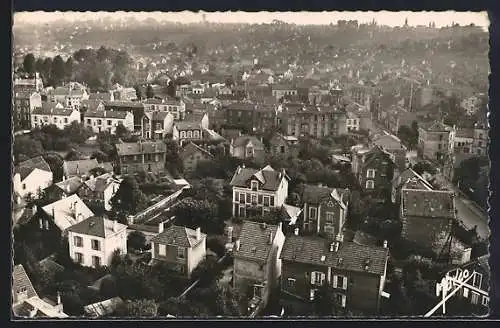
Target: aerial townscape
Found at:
220, 170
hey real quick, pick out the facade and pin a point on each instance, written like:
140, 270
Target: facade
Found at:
361, 94
191, 155
324, 210
31, 177
93, 241
186, 131
257, 191
315, 121
257, 264
24, 104
281, 145
176, 107
70, 95
356, 272
463, 141
281, 91
374, 169
436, 141
392, 145
247, 147
54, 114
480, 142
157, 124
407, 179
28, 83
102, 96
141, 156
427, 215
179, 247
107, 121
136, 108
240, 115
79, 168
98, 191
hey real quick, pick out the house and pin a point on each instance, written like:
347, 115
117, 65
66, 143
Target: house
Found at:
480, 143
256, 191
54, 114
407, 179
427, 215
191, 155
60, 215
102, 96
198, 116
247, 147
297, 119
374, 169
93, 241
79, 168
257, 264
463, 141
64, 188
32, 83
98, 191
324, 210
31, 177
352, 121
148, 156
25, 301
179, 247
185, 131
70, 95
240, 115
102, 120
156, 125
436, 141
392, 145
357, 273
124, 94
24, 104
281, 145
136, 108
280, 91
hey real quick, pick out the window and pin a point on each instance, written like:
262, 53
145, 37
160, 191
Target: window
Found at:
466, 292
485, 301
95, 245
369, 184
257, 290
96, 261
312, 212
260, 199
254, 199
109, 122
317, 278
254, 185
183, 134
330, 217
477, 280
272, 200
339, 282
78, 241
236, 196
341, 299
88, 121
266, 200
291, 282
241, 211
99, 122
46, 224
190, 134
196, 134
55, 119
312, 294
242, 198
162, 250
40, 221
24, 186
79, 258
474, 297
370, 173
65, 120
180, 252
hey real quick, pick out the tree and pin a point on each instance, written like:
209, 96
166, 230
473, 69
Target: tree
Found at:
138, 92
39, 65
47, 70
77, 132
325, 302
122, 132
58, 70
171, 89
217, 244
26, 147
136, 240
207, 271
129, 199
139, 308
194, 213
68, 68
99, 155
29, 64
55, 162
150, 92
73, 155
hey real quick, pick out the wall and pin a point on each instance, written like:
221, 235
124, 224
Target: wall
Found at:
196, 255
112, 243
170, 257
36, 180
424, 230
86, 248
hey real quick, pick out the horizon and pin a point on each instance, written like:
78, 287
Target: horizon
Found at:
387, 18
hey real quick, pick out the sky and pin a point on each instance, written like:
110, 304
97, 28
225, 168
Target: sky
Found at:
443, 18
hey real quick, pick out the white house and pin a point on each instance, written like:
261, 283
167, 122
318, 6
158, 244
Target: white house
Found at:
64, 213
56, 115
93, 241
71, 95
104, 120
32, 176
258, 190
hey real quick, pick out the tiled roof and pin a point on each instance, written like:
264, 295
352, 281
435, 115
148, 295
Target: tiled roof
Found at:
187, 125
43, 309
71, 185
63, 212
315, 194
192, 148
159, 115
194, 117
436, 126
79, 167
52, 110
269, 178
412, 177
389, 142
91, 104
123, 104
20, 281
148, 147
300, 108
283, 87
255, 240
464, 133
50, 265
243, 141
106, 114
101, 182
428, 203
354, 257
178, 236
26, 167
100, 96
103, 308
97, 226
241, 106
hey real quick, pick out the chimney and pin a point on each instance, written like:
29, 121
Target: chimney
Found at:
229, 234
296, 231
58, 298
77, 169
160, 227
198, 233
332, 245
237, 244
385, 243
115, 226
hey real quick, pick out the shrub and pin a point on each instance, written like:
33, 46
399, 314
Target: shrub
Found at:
217, 244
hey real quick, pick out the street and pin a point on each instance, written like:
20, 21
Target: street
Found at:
470, 216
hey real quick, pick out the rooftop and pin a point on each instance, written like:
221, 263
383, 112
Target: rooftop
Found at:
25, 168
268, 177
428, 203
178, 236
21, 281
191, 149
79, 167
67, 211
98, 227
243, 141
107, 114
254, 241
134, 148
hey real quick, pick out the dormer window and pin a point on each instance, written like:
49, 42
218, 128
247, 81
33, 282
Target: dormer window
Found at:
254, 185
370, 173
